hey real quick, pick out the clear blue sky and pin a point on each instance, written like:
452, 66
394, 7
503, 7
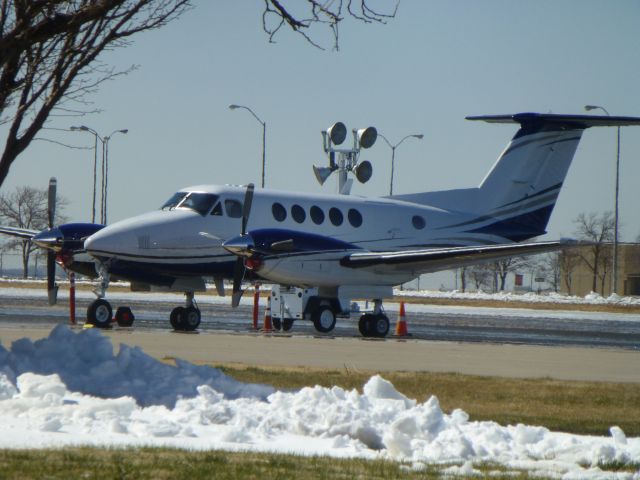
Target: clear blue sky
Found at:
423, 72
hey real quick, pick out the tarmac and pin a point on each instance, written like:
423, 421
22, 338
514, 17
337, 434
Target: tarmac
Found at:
391, 354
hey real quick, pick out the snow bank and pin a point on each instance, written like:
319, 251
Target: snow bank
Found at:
85, 363
529, 297
49, 393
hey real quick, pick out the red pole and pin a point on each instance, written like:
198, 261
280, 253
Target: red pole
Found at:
72, 298
256, 305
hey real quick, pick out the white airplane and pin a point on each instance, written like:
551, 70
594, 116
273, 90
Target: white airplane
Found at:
342, 245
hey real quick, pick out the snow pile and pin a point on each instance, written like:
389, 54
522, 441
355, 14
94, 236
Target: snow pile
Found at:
214, 411
529, 297
85, 363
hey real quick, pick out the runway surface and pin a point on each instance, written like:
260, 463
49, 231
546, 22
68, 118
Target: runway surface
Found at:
502, 342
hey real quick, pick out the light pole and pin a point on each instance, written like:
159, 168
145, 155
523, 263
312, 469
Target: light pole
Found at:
419, 136
264, 134
105, 173
615, 212
84, 128
103, 191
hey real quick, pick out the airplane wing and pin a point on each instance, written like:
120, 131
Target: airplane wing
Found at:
19, 232
435, 259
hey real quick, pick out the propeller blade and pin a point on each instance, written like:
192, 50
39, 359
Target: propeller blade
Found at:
238, 273
52, 287
51, 206
246, 207
238, 270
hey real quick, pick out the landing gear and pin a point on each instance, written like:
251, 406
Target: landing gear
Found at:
99, 313
371, 325
323, 318
374, 324
187, 318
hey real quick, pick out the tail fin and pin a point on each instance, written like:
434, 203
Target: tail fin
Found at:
516, 198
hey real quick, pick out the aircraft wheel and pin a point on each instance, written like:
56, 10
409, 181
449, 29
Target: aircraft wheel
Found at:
365, 324
379, 325
287, 324
176, 318
124, 317
324, 319
277, 323
190, 319
99, 313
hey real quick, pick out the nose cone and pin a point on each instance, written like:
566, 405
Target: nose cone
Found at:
242, 245
51, 239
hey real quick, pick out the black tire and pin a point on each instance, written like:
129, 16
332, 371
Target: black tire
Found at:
190, 319
99, 313
324, 319
124, 317
365, 324
276, 323
287, 324
379, 326
175, 318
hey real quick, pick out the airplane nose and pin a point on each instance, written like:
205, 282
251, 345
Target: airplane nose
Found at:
242, 245
99, 242
51, 239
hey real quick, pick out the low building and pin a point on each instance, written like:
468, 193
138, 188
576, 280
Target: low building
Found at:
580, 275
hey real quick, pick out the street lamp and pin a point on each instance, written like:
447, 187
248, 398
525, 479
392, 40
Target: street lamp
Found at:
264, 134
105, 149
105, 173
393, 153
84, 128
615, 214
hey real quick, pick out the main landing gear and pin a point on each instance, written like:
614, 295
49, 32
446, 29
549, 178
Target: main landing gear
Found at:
187, 318
374, 324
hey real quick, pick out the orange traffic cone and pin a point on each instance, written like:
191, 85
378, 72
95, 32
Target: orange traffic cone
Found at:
268, 325
401, 324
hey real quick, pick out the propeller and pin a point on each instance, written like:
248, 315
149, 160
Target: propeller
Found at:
52, 287
238, 270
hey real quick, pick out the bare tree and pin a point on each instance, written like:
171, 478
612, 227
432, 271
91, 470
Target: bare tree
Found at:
550, 265
598, 230
50, 50
501, 269
26, 208
480, 274
302, 16
49, 57
463, 278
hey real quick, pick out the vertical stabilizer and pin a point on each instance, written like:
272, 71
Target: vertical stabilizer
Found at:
516, 198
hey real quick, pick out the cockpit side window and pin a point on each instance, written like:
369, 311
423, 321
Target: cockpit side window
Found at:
173, 202
217, 210
200, 202
233, 208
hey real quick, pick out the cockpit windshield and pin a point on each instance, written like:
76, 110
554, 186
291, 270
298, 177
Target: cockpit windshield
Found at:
200, 202
173, 202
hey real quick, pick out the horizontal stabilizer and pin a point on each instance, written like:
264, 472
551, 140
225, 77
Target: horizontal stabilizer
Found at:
570, 121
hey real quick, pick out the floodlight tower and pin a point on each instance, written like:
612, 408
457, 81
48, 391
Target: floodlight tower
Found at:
348, 158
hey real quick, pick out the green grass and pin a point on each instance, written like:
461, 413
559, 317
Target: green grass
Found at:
163, 463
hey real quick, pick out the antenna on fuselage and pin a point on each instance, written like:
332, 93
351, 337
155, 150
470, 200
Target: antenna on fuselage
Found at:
347, 160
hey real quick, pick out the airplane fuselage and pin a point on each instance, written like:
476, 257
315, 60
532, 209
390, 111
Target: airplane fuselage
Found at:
180, 241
